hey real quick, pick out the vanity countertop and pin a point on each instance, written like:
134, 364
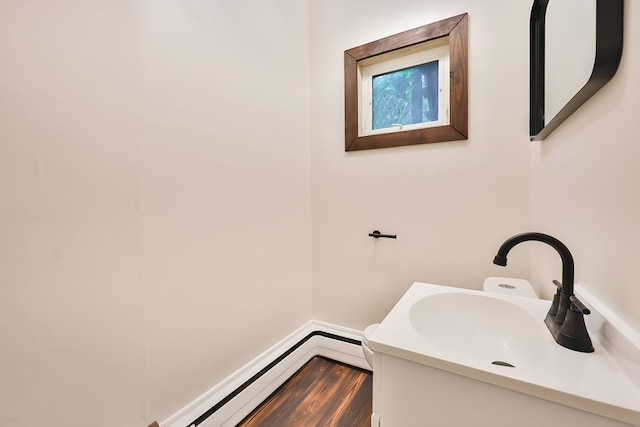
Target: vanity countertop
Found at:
593, 382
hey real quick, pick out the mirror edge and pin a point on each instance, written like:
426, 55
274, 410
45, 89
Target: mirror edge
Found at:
609, 15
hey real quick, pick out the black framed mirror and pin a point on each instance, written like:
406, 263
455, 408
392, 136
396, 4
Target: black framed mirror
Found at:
608, 50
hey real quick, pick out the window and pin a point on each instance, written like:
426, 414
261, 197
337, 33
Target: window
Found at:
414, 89
410, 88
407, 92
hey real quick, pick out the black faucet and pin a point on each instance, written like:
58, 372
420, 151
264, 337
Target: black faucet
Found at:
565, 319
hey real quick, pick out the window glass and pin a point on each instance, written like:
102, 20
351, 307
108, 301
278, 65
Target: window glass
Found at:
407, 96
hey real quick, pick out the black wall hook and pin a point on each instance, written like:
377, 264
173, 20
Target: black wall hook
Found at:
377, 234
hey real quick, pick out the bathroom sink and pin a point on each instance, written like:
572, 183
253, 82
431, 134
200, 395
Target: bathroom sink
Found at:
490, 330
501, 341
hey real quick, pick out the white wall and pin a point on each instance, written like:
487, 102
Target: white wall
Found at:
586, 187
155, 211
451, 204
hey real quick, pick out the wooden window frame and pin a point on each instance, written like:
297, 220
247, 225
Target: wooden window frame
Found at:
456, 28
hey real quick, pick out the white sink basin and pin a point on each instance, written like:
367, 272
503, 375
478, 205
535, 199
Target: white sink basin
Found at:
491, 330
463, 331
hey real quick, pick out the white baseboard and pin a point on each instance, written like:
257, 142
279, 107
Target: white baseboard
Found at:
235, 409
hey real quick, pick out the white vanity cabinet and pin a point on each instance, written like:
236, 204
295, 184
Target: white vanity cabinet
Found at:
409, 394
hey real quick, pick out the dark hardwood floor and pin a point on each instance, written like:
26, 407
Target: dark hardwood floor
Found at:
322, 393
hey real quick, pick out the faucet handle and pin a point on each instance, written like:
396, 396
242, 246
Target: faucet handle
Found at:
577, 305
553, 310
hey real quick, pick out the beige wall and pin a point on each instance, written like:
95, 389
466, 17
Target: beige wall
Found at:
156, 213
586, 187
155, 210
451, 204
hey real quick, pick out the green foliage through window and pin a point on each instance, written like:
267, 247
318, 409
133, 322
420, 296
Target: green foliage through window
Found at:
406, 96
